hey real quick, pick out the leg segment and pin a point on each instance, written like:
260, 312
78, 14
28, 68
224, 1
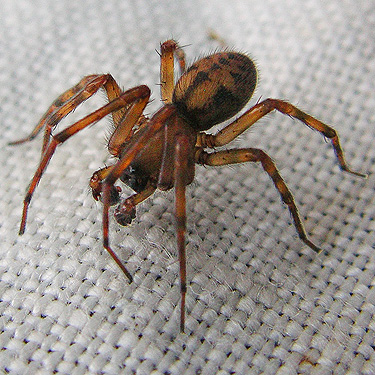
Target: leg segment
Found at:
181, 172
123, 131
168, 51
55, 106
245, 121
70, 100
256, 155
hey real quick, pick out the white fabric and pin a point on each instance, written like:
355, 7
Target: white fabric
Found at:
258, 300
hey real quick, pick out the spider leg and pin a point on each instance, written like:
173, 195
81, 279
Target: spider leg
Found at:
177, 169
256, 155
181, 181
245, 121
168, 51
60, 101
133, 148
70, 100
123, 130
128, 97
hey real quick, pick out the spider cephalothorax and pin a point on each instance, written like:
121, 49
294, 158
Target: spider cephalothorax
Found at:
161, 152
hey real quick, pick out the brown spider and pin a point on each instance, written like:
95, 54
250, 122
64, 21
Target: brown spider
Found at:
161, 151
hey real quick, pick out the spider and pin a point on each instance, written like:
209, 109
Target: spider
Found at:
161, 152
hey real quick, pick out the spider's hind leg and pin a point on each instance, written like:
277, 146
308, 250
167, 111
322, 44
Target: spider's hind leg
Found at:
255, 155
251, 116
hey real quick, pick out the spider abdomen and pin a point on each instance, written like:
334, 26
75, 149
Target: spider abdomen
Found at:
215, 88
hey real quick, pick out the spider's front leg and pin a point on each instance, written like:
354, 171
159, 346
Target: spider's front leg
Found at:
130, 151
70, 100
177, 170
181, 181
137, 97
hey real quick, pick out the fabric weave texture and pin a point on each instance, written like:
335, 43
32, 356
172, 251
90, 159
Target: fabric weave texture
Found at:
258, 301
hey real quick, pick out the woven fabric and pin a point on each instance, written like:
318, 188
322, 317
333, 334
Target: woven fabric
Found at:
258, 300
